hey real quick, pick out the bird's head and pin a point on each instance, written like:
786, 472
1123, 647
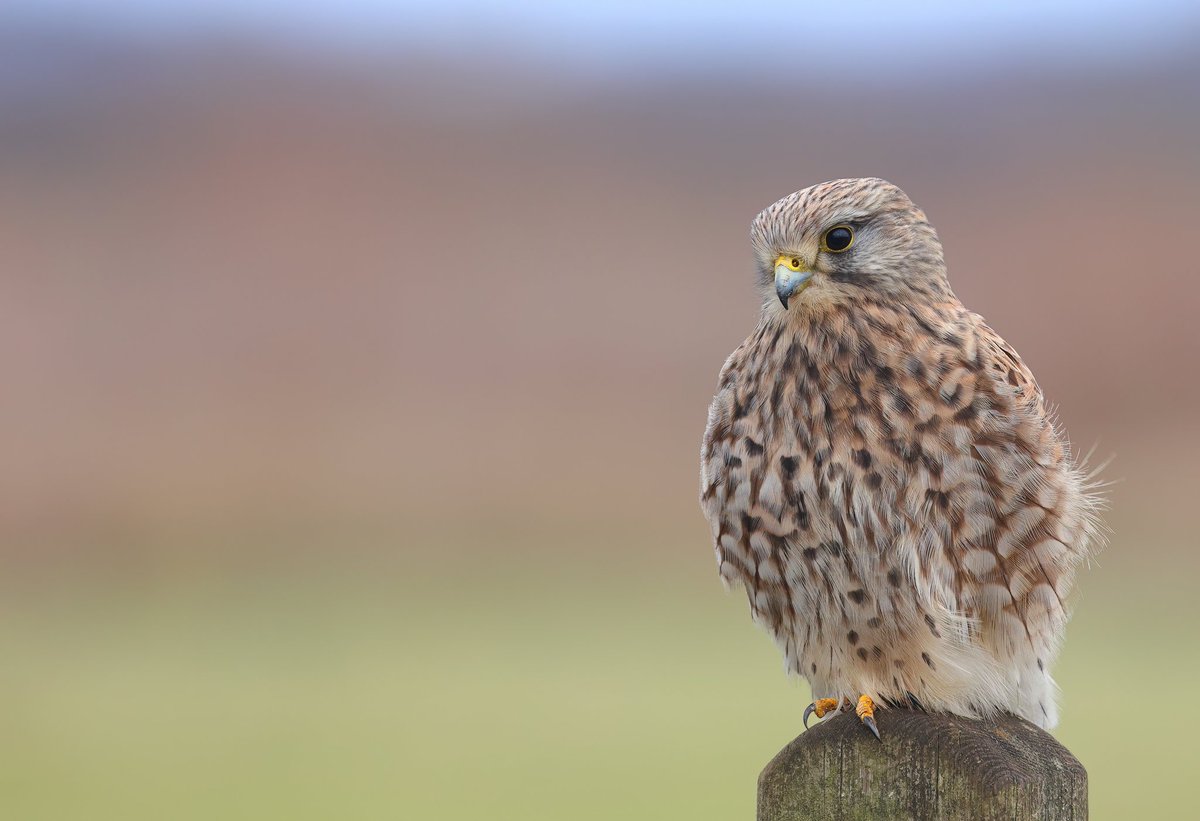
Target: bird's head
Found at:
844, 241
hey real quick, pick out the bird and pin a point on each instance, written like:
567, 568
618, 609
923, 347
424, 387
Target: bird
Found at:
883, 476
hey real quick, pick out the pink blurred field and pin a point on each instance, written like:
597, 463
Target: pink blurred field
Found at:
246, 287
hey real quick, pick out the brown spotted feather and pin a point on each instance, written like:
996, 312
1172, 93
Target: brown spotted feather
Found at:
882, 475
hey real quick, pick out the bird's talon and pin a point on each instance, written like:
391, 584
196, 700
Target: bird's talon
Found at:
821, 706
866, 713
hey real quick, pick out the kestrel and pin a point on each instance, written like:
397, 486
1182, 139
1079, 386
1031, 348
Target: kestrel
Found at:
883, 476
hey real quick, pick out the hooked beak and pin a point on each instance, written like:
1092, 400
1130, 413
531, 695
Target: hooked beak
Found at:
791, 275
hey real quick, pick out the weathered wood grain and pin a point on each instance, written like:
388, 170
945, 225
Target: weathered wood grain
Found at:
927, 767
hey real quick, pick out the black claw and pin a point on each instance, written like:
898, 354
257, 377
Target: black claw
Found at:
807, 712
870, 722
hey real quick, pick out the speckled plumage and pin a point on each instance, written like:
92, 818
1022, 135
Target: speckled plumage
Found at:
882, 474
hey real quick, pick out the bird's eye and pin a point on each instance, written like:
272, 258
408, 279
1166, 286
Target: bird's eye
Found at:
795, 264
838, 238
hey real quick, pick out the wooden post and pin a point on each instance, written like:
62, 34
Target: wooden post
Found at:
927, 767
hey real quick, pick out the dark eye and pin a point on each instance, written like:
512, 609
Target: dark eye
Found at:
838, 239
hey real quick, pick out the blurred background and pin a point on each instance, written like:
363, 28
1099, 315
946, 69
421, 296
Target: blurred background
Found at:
357, 356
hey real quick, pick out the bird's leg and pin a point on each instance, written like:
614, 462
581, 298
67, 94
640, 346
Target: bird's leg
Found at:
822, 706
865, 710
866, 714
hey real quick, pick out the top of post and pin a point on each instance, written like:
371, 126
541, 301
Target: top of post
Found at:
926, 766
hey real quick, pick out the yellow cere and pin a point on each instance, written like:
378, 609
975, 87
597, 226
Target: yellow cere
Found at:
790, 262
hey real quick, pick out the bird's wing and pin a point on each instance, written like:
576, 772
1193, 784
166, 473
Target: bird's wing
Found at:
1004, 366
1026, 515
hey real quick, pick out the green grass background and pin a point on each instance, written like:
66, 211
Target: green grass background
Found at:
552, 680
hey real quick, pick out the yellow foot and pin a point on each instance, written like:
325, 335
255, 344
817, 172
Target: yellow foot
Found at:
866, 713
822, 706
